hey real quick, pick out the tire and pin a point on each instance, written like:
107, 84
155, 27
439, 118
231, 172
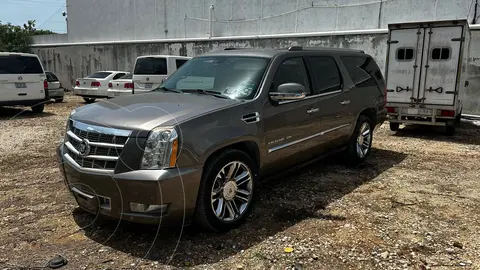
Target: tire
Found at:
89, 100
394, 126
458, 119
38, 108
450, 130
205, 215
353, 156
59, 100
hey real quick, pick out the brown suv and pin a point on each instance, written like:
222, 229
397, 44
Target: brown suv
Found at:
195, 148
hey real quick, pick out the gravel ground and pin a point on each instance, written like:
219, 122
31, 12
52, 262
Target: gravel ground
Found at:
413, 205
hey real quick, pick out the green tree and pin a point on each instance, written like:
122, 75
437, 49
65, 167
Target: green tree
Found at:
15, 38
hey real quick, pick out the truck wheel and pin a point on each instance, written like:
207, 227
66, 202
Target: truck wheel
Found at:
394, 126
38, 108
89, 100
450, 130
225, 196
59, 100
360, 144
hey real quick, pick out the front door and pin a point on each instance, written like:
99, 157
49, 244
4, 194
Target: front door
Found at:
290, 126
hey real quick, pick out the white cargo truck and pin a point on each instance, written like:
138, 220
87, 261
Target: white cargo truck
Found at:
426, 73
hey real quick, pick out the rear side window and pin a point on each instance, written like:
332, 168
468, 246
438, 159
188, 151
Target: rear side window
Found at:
325, 74
291, 71
51, 77
363, 71
180, 62
405, 54
127, 76
99, 75
151, 66
15, 64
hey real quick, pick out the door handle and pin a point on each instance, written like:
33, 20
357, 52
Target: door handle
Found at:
345, 102
314, 110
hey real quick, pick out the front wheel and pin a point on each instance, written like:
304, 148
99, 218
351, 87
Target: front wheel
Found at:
360, 144
226, 191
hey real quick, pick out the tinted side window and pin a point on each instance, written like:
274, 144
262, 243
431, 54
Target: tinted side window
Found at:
54, 78
291, 70
180, 62
325, 74
118, 76
363, 70
151, 66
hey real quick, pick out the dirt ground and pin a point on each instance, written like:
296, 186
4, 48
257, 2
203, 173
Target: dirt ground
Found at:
413, 205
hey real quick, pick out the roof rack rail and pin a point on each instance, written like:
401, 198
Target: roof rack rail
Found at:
295, 48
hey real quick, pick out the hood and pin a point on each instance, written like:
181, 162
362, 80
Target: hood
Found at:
149, 110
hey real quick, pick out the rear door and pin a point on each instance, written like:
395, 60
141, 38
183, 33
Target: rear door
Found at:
21, 77
149, 73
403, 68
441, 60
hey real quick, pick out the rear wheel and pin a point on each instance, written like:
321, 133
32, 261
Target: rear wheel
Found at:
226, 191
360, 143
394, 126
38, 108
89, 100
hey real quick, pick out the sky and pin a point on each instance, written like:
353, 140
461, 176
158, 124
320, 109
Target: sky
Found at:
47, 13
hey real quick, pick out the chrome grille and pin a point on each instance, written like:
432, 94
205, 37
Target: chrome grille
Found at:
104, 146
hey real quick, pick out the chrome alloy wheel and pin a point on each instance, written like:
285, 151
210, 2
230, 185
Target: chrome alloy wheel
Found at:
232, 191
364, 140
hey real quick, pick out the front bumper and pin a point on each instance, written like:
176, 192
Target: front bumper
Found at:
110, 195
91, 93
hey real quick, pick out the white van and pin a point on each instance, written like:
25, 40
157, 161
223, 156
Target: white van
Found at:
427, 67
151, 70
22, 81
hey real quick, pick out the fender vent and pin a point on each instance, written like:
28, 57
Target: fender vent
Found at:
251, 118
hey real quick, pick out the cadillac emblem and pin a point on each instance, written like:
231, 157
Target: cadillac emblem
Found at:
84, 148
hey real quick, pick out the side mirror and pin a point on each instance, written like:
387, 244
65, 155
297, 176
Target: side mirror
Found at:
289, 91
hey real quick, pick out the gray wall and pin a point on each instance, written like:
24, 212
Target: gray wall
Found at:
116, 20
71, 62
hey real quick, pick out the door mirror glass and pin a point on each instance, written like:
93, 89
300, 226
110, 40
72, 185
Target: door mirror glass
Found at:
288, 91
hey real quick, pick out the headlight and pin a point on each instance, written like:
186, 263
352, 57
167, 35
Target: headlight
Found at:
161, 149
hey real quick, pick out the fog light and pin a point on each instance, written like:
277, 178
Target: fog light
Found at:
148, 208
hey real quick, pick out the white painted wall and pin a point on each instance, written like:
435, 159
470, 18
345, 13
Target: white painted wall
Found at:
114, 20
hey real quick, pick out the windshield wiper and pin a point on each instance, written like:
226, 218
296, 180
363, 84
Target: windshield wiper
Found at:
208, 92
169, 89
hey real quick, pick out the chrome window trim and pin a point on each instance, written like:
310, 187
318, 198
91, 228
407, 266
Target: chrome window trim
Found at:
279, 147
313, 96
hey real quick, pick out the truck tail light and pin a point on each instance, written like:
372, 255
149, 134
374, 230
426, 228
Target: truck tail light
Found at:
390, 109
447, 113
128, 85
45, 84
77, 83
95, 84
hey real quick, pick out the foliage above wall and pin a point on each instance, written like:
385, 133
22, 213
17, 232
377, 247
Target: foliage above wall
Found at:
15, 38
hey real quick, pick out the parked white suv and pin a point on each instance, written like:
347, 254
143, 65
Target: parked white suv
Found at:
22, 81
96, 85
151, 70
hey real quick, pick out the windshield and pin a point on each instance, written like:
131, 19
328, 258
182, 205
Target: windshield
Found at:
20, 65
99, 75
233, 76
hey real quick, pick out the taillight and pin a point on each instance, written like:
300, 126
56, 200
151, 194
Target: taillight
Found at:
77, 83
128, 85
447, 113
45, 84
95, 84
390, 109
110, 85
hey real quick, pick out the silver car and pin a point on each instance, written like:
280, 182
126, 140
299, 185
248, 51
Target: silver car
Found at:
55, 88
